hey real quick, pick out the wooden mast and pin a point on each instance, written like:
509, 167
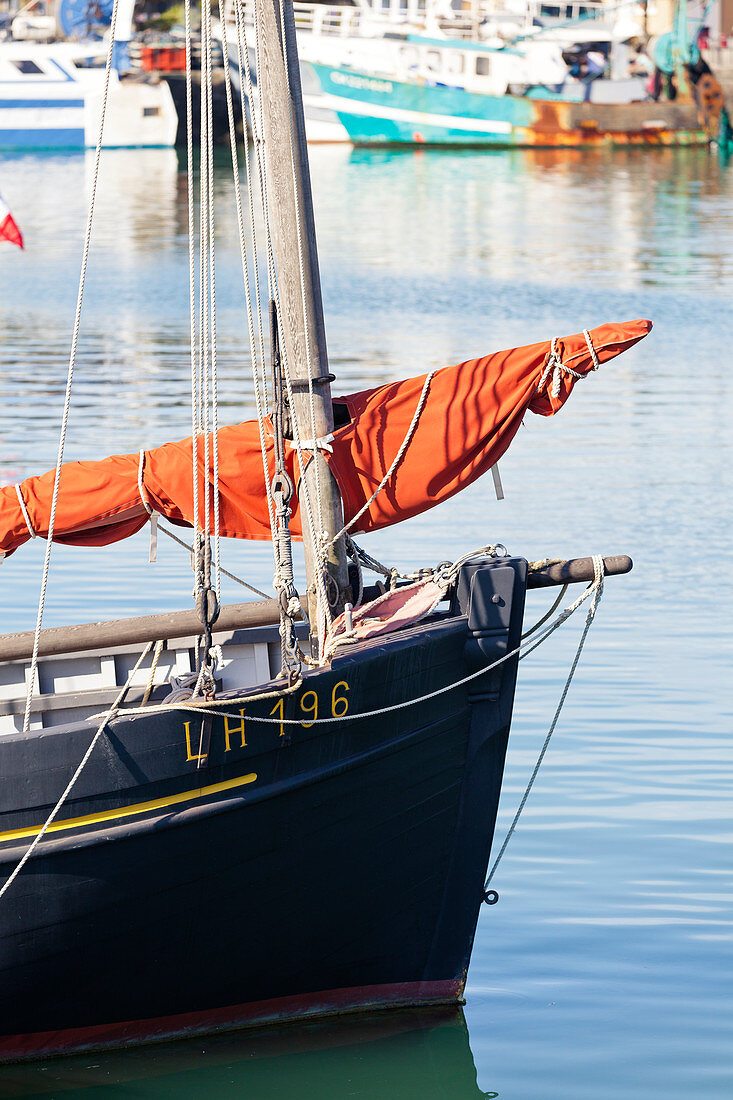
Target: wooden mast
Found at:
303, 332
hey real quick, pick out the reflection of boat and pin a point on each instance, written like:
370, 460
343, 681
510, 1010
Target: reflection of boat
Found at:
52, 98
405, 1053
201, 825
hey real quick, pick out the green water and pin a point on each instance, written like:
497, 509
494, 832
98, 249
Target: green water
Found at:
606, 969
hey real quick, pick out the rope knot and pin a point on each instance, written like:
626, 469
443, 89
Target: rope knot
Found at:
554, 366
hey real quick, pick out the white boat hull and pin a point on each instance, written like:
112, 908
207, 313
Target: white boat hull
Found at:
49, 101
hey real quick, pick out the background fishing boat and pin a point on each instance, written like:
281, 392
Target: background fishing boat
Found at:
521, 78
52, 91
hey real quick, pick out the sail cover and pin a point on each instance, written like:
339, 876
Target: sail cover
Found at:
471, 413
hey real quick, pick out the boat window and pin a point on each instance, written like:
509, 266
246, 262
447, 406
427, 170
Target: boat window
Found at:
483, 66
454, 62
551, 10
432, 60
27, 67
148, 112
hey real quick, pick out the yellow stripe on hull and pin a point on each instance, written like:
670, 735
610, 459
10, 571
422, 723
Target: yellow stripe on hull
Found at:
131, 811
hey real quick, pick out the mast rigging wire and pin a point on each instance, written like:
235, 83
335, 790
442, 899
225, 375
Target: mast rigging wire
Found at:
70, 373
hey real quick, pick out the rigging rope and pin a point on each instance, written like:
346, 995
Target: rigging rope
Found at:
70, 374
279, 489
106, 719
555, 366
304, 296
261, 409
596, 589
395, 461
523, 650
324, 615
232, 576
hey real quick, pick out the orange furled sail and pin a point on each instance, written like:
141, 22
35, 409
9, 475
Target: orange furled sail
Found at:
471, 413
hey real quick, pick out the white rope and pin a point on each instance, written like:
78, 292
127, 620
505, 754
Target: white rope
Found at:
322, 443
70, 374
557, 368
212, 291
232, 576
195, 425
24, 510
153, 669
395, 461
596, 589
256, 137
107, 717
304, 297
243, 255
546, 616
206, 149
324, 613
523, 650
591, 349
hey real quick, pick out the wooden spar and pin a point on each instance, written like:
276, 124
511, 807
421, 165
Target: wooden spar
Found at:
115, 632
577, 569
238, 616
303, 332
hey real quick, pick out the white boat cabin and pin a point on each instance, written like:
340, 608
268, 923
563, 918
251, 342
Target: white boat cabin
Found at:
52, 98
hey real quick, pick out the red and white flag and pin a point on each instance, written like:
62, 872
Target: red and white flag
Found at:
8, 229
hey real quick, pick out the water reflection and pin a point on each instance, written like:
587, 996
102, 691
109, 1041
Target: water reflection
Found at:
387, 1056
428, 258
623, 217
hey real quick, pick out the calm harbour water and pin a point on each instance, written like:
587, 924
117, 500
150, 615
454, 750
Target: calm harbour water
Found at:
606, 969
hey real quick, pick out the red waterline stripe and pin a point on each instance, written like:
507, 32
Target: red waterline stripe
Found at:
329, 1002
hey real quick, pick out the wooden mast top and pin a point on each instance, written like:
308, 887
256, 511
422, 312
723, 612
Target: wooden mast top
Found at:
296, 259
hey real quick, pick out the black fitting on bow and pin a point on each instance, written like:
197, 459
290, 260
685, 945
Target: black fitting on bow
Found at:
490, 897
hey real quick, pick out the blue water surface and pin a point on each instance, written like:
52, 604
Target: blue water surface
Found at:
606, 969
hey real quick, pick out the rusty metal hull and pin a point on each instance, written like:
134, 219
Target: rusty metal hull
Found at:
589, 124
368, 110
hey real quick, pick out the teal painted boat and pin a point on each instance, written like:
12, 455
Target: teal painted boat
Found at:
369, 109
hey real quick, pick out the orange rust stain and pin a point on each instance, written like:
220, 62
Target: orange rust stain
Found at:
551, 126
588, 137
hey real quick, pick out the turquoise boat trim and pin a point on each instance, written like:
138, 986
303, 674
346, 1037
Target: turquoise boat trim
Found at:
460, 44
378, 110
374, 109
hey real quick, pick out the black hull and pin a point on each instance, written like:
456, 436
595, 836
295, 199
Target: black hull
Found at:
313, 869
